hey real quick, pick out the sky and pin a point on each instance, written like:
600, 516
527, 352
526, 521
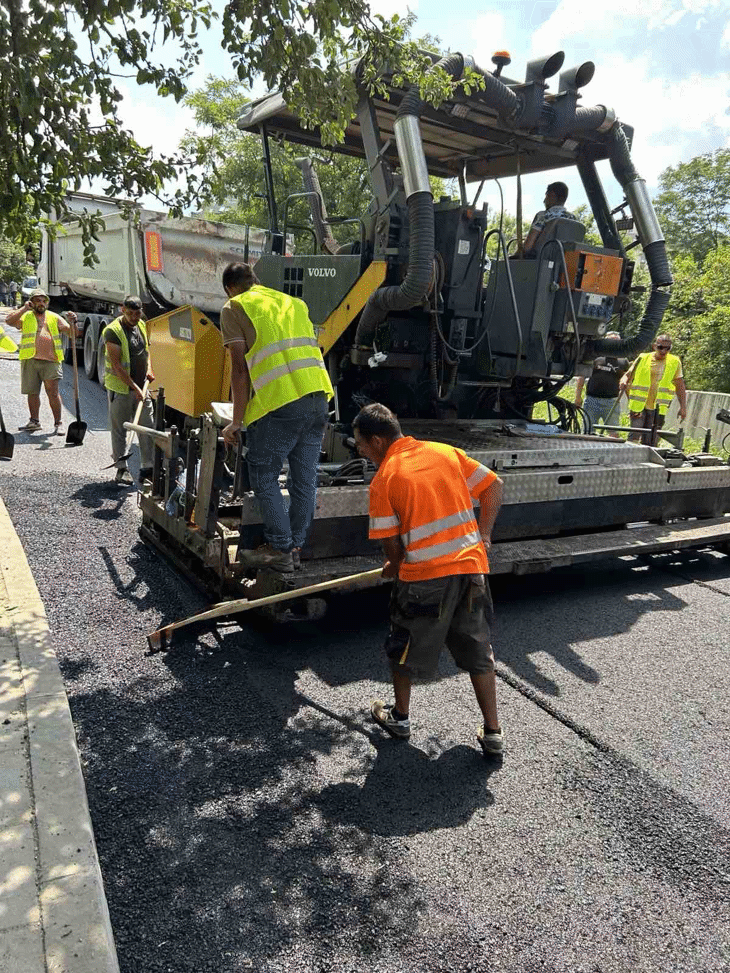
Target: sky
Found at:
662, 65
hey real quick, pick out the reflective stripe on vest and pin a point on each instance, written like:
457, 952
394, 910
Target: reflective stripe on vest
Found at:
431, 551
112, 383
639, 392
29, 324
285, 362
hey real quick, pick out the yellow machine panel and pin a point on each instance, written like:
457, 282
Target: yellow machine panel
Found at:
189, 360
354, 301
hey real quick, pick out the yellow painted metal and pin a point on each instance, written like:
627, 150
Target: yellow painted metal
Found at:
354, 301
189, 360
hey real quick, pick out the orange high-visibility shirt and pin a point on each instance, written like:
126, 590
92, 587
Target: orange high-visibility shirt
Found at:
423, 493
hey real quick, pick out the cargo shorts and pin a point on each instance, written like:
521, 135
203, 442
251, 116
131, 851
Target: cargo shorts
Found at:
34, 372
425, 616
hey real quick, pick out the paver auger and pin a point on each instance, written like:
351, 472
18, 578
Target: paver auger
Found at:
414, 314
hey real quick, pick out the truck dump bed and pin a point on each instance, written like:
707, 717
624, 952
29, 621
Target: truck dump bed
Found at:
170, 262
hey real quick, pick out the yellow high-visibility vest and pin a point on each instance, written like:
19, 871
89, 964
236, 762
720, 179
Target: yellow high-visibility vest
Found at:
641, 383
7, 344
29, 324
285, 362
111, 382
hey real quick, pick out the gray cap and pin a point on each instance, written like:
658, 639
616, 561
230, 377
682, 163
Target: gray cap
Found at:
38, 292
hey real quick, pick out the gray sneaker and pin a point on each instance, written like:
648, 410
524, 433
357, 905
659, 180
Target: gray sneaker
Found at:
383, 716
123, 478
269, 557
32, 425
491, 743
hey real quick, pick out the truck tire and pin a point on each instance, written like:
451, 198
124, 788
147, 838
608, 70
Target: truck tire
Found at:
66, 346
89, 352
101, 355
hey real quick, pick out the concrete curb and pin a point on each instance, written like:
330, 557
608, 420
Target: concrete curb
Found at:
53, 911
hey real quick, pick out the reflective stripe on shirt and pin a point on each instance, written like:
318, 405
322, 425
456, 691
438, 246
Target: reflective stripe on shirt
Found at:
384, 523
436, 526
479, 474
446, 547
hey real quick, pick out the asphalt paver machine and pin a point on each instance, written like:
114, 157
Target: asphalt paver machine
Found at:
414, 313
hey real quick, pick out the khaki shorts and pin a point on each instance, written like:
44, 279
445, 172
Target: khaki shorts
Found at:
34, 372
425, 616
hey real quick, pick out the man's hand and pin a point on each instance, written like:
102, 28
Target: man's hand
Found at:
150, 375
390, 570
578, 400
682, 414
487, 541
230, 433
137, 393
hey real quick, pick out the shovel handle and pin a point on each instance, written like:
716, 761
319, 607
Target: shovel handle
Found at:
138, 412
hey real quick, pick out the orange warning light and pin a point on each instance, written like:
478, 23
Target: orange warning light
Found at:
153, 250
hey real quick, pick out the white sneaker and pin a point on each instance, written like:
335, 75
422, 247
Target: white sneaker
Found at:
58, 428
491, 743
32, 425
383, 716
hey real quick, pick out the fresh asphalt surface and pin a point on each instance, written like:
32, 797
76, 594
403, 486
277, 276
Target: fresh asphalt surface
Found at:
249, 816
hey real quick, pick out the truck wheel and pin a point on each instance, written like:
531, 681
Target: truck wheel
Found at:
101, 355
89, 353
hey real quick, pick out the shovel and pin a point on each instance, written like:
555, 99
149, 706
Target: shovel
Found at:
7, 442
135, 422
76, 430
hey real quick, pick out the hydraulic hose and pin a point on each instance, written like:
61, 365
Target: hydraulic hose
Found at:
652, 242
414, 288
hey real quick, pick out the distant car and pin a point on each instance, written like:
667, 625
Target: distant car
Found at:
29, 284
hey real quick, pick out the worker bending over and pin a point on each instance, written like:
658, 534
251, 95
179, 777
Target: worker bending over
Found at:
41, 355
128, 366
281, 392
421, 509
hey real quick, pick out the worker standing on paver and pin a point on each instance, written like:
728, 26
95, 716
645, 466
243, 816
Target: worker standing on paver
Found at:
281, 390
603, 386
651, 383
421, 509
41, 355
128, 366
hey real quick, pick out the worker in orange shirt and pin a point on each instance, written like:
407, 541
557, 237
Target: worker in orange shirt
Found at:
421, 508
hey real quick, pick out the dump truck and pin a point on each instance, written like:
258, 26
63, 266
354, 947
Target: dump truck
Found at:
415, 314
172, 264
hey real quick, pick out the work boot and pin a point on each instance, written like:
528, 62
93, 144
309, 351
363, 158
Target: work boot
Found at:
123, 478
491, 742
269, 557
383, 716
296, 557
145, 475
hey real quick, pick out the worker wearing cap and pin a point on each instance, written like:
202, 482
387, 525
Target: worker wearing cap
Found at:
128, 366
41, 355
280, 390
421, 508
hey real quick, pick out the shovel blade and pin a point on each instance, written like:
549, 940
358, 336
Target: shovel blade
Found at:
7, 445
75, 433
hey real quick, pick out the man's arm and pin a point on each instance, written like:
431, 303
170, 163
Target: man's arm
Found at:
114, 355
13, 319
579, 390
681, 389
625, 384
67, 323
240, 389
490, 501
394, 554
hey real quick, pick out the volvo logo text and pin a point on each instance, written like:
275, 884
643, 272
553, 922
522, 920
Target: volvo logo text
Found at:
322, 271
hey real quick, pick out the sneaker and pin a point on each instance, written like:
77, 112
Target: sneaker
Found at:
145, 475
383, 716
58, 429
491, 743
123, 478
32, 425
296, 557
269, 557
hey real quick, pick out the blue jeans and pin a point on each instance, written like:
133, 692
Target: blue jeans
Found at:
601, 409
294, 433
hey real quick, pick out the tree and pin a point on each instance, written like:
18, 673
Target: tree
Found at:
693, 204
13, 262
59, 65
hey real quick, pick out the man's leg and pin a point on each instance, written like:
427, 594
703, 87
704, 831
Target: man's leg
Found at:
637, 421
34, 406
30, 386
270, 440
146, 446
303, 460
485, 690
54, 399
119, 413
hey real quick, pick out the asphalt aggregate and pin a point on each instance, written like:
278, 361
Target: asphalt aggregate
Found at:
248, 816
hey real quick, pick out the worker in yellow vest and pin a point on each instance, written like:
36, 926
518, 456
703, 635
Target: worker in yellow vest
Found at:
281, 392
7, 344
127, 366
651, 383
41, 355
